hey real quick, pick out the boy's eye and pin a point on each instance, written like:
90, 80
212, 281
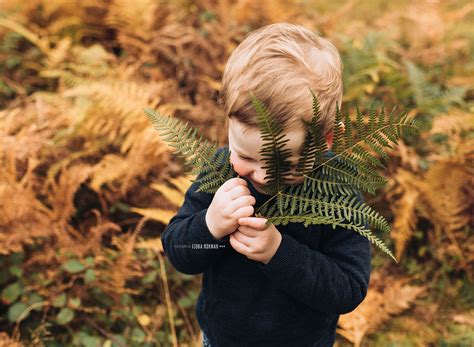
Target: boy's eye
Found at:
244, 158
292, 166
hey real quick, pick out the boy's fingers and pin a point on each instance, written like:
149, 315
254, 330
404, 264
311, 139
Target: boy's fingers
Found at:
233, 182
246, 230
235, 192
253, 222
243, 238
237, 245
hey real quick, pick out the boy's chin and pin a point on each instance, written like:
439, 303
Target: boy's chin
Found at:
258, 187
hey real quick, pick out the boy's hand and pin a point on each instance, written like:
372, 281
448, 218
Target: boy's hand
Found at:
231, 201
255, 240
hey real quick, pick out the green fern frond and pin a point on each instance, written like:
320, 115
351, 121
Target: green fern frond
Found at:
352, 148
308, 219
348, 138
299, 202
318, 181
361, 130
198, 153
276, 157
430, 97
351, 175
355, 164
308, 154
372, 238
316, 132
314, 144
339, 144
332, 179
213, 179
313, 153
352, 165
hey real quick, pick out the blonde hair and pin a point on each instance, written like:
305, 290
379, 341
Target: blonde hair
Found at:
280, 63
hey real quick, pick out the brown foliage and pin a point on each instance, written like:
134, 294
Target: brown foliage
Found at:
386, 297
442, 195
7, 341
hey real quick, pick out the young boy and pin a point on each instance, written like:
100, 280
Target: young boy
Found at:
275, 286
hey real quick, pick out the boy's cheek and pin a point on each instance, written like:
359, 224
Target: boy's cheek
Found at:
238, 167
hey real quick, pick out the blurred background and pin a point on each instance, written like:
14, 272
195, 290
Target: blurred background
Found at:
87, 185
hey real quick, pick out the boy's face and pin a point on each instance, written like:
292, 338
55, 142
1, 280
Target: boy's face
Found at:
245, 152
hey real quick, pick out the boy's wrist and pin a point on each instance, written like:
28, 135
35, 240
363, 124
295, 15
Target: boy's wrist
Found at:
217, 239
211, 228
273, 249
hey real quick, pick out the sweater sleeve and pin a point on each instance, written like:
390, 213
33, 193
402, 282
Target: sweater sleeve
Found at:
333, 279
187, 241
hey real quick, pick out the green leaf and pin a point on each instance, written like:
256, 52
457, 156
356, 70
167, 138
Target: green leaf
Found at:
35, 298
75, 302
102, 297
125, 315
65, 316
89, 276
73, 266
138, 335
185, 302
45, 281
125, 299
16, 270
120, 339
60, 300
12, 292
89, 261
207, 16
187, 278
199, 153
15, 311
90, 341
150, 277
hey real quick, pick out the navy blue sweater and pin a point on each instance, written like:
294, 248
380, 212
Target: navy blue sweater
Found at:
295, 299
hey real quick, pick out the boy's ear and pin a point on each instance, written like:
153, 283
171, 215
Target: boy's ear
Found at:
330, 135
